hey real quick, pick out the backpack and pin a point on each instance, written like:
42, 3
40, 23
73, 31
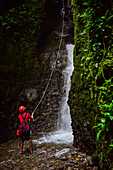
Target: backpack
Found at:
24, 127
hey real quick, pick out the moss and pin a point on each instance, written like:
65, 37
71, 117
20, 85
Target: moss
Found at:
20, 25
92, 78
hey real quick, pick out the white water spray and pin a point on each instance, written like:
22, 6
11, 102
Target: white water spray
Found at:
64, 122
64, 132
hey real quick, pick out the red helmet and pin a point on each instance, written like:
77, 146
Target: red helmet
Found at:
22, 109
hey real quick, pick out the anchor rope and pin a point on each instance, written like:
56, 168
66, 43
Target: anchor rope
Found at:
54, 65
63, 3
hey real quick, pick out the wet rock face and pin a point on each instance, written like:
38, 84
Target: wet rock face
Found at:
46, 114
30, 90
82, 112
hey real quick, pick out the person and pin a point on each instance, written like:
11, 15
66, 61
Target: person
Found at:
64, 15
26, 136
62, 12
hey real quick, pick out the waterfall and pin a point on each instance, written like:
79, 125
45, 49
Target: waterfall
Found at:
64, 122
64, 129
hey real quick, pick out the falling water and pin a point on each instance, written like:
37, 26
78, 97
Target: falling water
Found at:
64, 122
64, 129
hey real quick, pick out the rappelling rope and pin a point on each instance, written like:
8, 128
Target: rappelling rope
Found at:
63, 3
54, 65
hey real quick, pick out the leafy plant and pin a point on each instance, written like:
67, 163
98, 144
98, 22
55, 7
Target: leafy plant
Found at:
93, 46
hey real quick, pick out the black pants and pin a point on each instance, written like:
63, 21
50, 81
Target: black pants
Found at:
25, 136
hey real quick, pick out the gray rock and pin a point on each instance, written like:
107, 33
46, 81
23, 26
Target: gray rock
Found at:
63, 151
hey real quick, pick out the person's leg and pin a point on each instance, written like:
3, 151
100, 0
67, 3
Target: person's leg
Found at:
30, 145
21, 146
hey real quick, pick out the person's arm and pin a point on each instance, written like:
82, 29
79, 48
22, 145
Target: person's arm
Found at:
32, 115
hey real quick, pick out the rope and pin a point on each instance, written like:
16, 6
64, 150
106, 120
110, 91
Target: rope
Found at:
54, 65
63, 3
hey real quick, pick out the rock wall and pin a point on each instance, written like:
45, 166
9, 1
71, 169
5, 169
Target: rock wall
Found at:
25, 75
91, 92
82, 111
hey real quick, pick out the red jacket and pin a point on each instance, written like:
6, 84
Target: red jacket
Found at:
28, 116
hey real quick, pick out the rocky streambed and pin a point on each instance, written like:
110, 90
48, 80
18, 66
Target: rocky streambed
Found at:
45, 156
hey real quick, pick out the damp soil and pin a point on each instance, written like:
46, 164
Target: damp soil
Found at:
45, 156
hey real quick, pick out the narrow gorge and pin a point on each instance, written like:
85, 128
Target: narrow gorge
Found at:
60, 66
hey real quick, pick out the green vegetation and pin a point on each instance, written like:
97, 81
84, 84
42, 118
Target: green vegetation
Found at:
91, 96
19, 28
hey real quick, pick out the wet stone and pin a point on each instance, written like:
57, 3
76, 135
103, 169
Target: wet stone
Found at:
71, 164
75, 166
74, 153
52, 168
44, 158
64, 158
